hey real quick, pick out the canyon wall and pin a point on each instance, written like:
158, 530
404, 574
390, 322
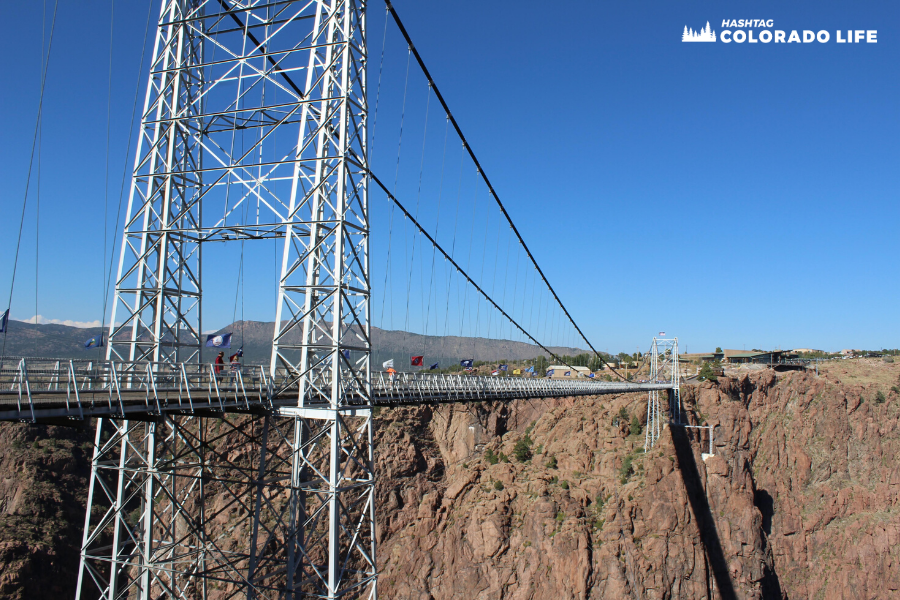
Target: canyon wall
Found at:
543, 500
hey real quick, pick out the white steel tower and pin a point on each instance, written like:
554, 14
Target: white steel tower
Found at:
663, 368
253, 127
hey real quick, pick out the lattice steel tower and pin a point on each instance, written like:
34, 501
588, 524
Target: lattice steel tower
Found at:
253, 127
663, 367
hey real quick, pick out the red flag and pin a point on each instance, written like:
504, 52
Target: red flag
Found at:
416, 361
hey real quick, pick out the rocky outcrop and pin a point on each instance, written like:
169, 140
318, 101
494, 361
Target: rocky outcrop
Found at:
823, 457
588, 515
43, 488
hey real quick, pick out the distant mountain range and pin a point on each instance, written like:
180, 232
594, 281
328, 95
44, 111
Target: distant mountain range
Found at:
62, 341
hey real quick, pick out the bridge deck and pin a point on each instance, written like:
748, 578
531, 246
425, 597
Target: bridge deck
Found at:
39, 389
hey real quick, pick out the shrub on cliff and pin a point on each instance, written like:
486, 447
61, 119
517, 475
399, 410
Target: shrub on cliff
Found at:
551, 464
522, 449
491, 457
626, 470
879, 397
708, 371
635, 428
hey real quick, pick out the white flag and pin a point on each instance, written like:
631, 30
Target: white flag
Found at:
662, 334
388, 364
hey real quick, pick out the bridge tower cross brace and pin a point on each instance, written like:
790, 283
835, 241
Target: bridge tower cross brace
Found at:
290, 76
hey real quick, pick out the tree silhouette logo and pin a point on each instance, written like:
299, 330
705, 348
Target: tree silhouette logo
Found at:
704, 35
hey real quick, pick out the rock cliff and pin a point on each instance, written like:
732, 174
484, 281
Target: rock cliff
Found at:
557, 499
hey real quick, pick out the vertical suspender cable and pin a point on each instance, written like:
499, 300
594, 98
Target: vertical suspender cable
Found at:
30, 163
487, 182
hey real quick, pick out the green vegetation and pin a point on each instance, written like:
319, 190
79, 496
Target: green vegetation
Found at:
522, 449
564, 484
551, 463
491, 457
498, 485
708, 371
879, 397
626, 471
503, 458
553, 480
895, 389
560, 517
635, 427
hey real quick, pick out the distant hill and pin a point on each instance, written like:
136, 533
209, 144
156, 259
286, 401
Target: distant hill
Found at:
62, 341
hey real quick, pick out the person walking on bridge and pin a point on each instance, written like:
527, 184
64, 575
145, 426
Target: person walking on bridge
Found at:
220, 363
235, 361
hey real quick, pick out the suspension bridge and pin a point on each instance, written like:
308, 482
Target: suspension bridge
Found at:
256, 126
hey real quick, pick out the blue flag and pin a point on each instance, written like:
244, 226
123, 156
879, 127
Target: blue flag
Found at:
433, 367
504, 367
237, 354
530, 369
218, 341
467, 363
346, 354
94, 342
591, 375
3, 319
550, 373
568, 373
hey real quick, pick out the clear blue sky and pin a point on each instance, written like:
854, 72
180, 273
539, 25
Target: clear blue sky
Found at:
735, 195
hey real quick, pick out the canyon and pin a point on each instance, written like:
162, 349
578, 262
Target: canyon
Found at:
542, 500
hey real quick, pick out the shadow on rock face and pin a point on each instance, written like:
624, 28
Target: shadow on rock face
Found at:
766, 506
771, 585
700, 507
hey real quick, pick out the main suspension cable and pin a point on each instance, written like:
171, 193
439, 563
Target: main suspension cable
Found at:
455, 265
490, 187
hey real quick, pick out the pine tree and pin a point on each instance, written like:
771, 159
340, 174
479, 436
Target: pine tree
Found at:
685, 32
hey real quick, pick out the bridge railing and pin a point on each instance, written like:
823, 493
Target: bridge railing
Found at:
78, 385
77, 388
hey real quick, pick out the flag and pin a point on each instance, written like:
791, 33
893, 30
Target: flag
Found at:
568, 373
469, 369
495, 372
3, 319
388, 364
237, 354
517, 372
346, 354
591, 375
504, 367
467, 363
218, 341
94, 342
550, 373
662, 334
530, 369
433, 367
416, 361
